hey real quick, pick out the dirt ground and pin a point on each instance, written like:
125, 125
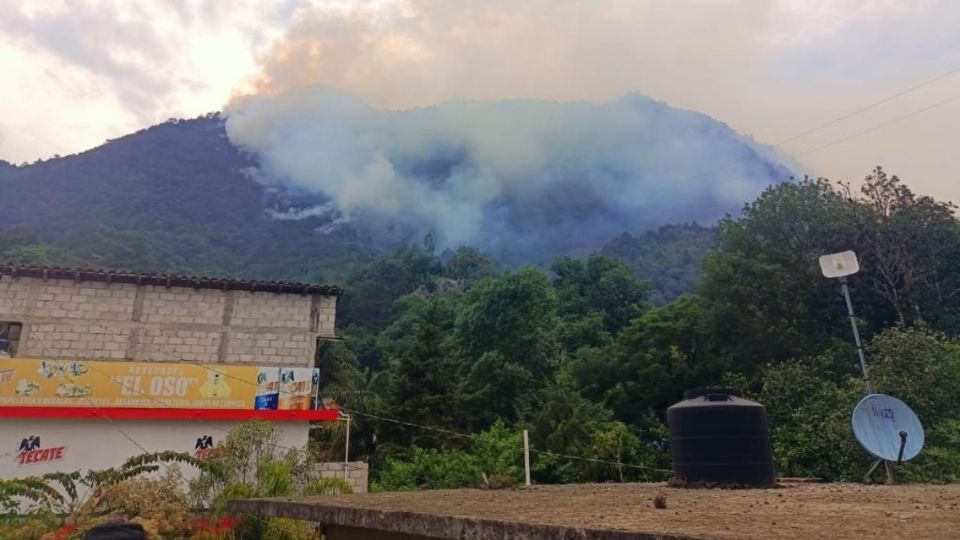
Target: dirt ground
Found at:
795, 510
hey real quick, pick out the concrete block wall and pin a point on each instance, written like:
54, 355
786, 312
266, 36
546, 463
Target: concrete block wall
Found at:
283, 311
73, 339
159, 343
95, 320
182, 306
355, 473
267, 347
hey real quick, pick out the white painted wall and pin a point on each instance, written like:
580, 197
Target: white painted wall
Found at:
99, 444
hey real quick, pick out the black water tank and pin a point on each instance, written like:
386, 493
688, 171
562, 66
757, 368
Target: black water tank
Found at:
716, 436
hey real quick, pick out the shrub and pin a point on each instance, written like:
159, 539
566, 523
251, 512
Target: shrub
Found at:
287, 529
327, 486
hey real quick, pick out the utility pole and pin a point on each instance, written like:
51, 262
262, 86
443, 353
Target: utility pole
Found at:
346, 444
526, 457
867, 383
841, 265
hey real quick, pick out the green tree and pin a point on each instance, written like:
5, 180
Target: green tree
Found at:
505, 332
423, 374
668, 257
908, 245
375, 286
495, 455
764, 297
809, 416
468, 264
920, 367
659, 355
599, 285
563, 423
22, 246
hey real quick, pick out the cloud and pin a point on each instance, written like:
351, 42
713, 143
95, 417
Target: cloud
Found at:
522, 178
772, 69
422, 52
119, 49
87, 70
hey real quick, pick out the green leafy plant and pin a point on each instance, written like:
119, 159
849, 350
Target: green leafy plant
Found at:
250, 463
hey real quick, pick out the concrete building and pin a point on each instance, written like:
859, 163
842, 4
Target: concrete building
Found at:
99, 315
97, 366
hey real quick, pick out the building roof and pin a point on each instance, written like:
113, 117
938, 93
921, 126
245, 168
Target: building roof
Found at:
166, 280
628, 511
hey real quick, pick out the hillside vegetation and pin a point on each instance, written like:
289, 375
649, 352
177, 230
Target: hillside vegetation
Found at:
180, 198
581, 357
175, 197
448, 353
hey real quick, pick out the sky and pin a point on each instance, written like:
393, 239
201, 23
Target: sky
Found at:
81, 72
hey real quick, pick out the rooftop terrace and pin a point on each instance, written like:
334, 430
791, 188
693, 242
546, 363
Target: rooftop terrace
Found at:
626, 511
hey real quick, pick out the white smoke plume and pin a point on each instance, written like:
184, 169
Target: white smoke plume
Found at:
524, 179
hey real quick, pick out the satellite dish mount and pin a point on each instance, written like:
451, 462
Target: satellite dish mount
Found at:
839, 266
888, 430
885, 426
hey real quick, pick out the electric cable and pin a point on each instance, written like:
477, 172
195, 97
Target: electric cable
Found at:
870, 106
878, 126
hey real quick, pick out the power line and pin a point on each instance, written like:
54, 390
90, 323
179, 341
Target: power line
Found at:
169, 406
355, 412
595, 460
410, 424
878, 126
870, 106
533, 450
105, 417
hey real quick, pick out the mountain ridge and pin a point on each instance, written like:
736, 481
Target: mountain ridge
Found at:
182, 197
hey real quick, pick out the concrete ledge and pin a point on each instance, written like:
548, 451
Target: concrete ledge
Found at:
428, 525
632, 511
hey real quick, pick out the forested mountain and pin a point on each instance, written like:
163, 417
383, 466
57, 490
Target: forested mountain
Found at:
585, 352
182, 197
174, 197
524, 180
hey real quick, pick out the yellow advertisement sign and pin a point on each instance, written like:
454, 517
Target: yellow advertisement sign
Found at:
65, 383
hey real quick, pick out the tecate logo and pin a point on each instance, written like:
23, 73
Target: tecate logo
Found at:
203, 447
31, 452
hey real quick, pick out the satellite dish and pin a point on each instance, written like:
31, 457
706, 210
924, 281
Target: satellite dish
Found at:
887, 428
837, 265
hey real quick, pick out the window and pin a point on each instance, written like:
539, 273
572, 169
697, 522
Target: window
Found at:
9, 338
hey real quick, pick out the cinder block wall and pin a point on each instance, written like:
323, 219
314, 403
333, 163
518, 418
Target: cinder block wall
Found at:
63, 319
355, 473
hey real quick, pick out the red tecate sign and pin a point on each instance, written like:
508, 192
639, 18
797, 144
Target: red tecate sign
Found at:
30, 452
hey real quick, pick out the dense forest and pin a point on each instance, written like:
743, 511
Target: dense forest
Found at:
448, 353
179, 197
445, 359
176, 197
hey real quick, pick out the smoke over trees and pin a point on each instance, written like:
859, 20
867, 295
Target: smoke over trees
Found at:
525, 180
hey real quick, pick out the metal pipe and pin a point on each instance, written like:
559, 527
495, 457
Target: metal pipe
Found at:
903, 445
867, 383
346, 446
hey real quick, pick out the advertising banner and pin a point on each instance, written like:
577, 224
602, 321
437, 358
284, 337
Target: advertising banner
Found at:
268, 389
296, 388
51, 383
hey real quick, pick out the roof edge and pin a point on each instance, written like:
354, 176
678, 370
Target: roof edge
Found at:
166, 280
